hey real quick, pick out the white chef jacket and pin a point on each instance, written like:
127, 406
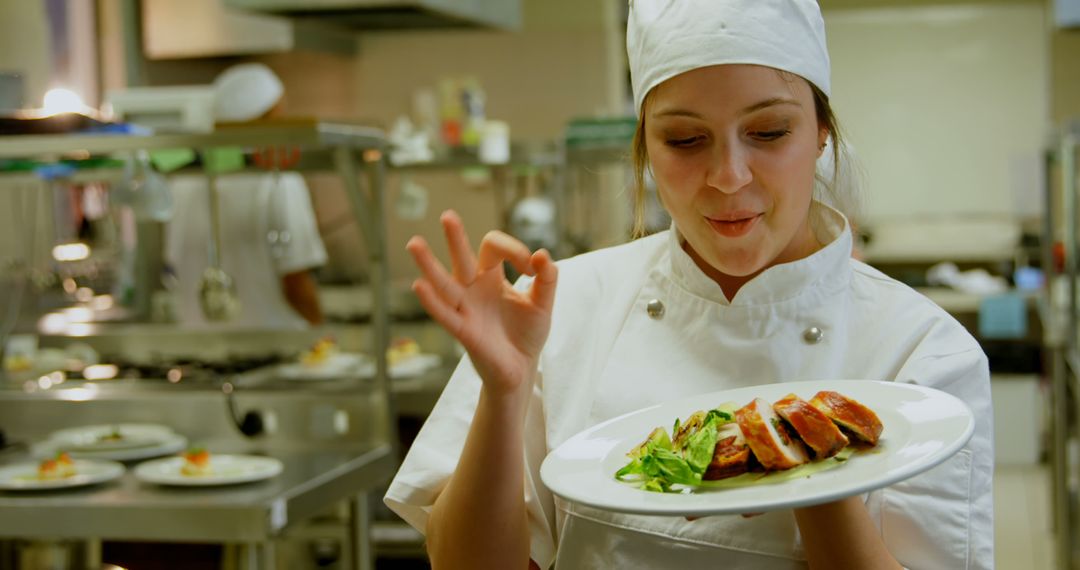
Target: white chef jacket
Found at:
607, 356
251, 205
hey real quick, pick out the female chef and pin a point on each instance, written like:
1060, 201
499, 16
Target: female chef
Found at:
753, 284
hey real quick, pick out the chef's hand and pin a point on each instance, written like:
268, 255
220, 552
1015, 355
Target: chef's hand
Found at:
503, 329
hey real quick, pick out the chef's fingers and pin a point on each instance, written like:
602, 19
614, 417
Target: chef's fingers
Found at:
498, 247
436, 275
461, 254
443, 313
547, 274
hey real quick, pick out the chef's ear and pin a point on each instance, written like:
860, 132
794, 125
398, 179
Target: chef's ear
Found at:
823, 140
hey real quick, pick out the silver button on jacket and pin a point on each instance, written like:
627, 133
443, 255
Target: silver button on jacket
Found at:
655, 308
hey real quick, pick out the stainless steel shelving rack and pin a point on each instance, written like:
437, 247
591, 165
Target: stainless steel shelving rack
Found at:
1061, 337
353, 152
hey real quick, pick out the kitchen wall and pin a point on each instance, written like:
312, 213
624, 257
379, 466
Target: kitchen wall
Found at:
24, 47
1065, 74
947, 106
567, 61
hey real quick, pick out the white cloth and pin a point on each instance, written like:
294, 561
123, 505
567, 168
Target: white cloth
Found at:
605, 357
667, 37
251, 205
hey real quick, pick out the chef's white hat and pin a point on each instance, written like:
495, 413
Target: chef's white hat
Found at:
245, 92
667, 37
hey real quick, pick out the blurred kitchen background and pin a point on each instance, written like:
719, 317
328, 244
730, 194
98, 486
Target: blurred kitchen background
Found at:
516, 113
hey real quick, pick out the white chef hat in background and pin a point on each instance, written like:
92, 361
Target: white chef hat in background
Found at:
667, 37
245, 92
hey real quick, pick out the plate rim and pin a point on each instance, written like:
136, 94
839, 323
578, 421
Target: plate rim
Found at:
674, 509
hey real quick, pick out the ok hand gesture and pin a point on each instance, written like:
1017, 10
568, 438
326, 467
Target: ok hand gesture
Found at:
502, 329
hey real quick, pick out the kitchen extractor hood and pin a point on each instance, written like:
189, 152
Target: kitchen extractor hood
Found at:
395, 14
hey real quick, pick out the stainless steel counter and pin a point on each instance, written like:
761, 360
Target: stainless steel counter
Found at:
127, 509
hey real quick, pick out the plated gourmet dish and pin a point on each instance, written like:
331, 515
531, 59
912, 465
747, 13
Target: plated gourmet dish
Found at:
59, 467
746, 443
196, 462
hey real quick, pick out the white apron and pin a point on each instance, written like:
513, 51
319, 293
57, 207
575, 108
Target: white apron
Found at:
823, 317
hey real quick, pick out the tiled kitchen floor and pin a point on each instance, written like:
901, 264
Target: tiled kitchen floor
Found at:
1023, 518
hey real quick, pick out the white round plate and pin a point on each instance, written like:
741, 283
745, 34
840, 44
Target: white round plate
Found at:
97, 438
922, 428
224, 470
414, 365
23, 476
357, 365
168, 444
335, 367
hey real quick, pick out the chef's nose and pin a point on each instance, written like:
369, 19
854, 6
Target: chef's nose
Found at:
728, 169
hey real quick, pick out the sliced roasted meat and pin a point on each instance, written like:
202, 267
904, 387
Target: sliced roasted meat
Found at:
812, 425
768, 437
849, 414
731, 456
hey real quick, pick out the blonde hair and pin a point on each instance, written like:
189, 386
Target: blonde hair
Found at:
839, 189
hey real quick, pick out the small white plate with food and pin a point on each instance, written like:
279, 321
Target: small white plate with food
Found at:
58, 472
325, 361
198, 467
115, 442
759, 449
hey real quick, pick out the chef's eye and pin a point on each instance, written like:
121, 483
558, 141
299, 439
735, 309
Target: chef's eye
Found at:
684, 142
769, 135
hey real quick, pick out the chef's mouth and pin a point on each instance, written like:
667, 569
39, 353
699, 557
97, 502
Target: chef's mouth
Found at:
735, 227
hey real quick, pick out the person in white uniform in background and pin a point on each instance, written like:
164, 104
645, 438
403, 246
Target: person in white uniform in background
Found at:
274, 283
753, 284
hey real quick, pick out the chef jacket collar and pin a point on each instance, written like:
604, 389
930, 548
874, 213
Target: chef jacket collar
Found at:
821, 272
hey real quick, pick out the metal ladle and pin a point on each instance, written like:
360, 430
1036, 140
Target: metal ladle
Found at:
217, 291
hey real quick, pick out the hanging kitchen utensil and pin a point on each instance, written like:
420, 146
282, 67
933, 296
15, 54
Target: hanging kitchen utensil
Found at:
275, 159
217, 291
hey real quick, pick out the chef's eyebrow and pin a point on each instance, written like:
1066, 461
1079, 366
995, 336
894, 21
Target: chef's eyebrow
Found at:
771, 102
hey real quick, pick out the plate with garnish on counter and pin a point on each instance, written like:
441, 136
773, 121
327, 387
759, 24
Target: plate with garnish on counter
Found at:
114, 442
198, 467
326, 361
57, 472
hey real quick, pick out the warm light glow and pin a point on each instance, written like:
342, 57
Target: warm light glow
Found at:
102, 302
54, 323
80, 329
100, 372
79, 315
81, 393
70, 285
44, 382
60, 100
71, 252
174, 375
84, 294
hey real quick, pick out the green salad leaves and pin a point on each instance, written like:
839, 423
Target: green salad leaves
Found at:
660, 461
